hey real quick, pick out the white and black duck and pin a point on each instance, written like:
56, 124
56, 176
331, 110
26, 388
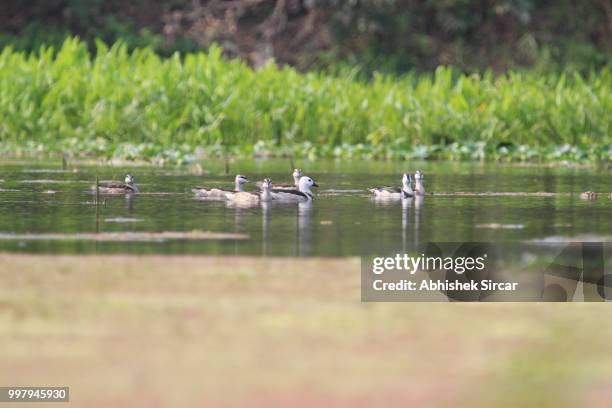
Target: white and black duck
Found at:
302, 194
395, 192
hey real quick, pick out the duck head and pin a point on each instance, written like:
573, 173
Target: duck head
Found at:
306, 183
267, 184
240, 181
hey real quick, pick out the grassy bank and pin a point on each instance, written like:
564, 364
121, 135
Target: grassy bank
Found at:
138, 105
199, 331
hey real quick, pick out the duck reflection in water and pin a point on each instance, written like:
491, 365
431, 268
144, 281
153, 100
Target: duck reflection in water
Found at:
241, 212
130, 200
304, 228
265, 226
303, 243
406, 206
418, 206
409, 205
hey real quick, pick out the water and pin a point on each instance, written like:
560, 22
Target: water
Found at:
37, 198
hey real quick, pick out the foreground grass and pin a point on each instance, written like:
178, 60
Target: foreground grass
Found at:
188, 331
140, 106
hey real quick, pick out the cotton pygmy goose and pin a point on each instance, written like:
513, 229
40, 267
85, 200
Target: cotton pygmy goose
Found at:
116, 187
303, 193
419, 186
220, 193
395, 192
244, 197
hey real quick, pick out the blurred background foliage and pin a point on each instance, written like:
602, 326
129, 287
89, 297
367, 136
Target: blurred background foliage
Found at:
376, 35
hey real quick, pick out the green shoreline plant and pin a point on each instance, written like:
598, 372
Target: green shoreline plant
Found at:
137, 105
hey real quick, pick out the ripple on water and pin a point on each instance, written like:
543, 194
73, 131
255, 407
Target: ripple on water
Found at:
332, 191
47, 181
58, 171
573, 238
125, 236
501, 226
123, 220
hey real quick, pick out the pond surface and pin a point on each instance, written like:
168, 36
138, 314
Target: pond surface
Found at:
39, 198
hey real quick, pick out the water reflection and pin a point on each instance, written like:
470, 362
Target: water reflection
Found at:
361, 226
265, 226
418, 206
304, 229
406, 206
130, 200
243, 213
385, 201
103, 202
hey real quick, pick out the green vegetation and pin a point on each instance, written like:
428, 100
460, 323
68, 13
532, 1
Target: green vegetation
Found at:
137, 105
